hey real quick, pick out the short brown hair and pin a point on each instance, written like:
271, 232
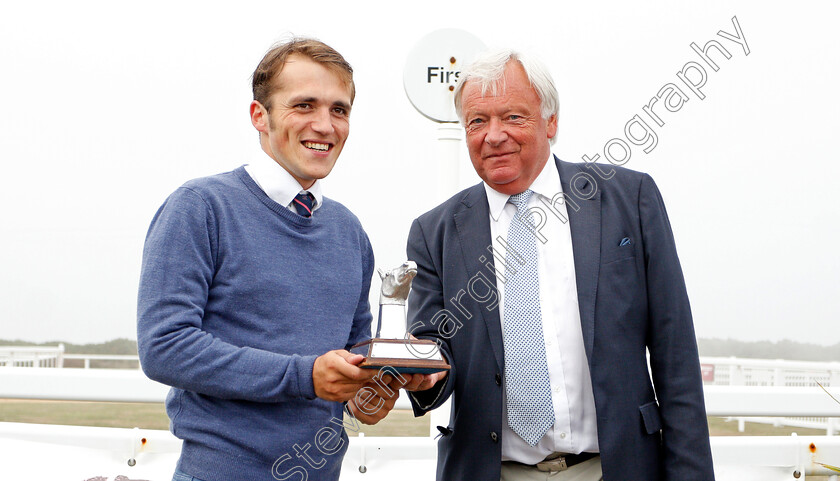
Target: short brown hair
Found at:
263, 83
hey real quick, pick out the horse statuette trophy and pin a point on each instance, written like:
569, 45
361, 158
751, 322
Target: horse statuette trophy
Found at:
404, 354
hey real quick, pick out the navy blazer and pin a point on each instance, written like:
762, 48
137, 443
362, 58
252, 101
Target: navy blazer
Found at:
632, 298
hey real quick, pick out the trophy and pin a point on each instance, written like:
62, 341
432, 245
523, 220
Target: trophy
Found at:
403, 354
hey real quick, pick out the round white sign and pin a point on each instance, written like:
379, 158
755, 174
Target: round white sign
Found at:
432, 70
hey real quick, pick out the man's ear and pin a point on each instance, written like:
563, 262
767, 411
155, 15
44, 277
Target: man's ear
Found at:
551, 127
259, 116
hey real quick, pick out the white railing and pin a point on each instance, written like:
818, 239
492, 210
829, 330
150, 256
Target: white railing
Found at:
131, 385
19, 356
75, 452
717, 371
48, 356
103, 357
109, 385
731, 371
45, 452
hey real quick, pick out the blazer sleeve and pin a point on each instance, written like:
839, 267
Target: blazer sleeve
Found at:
425, 303
672, 345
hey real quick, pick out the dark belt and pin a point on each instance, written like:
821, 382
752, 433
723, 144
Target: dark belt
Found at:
559, 461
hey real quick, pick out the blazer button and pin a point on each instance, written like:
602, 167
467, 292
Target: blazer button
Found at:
498, 379
494, 437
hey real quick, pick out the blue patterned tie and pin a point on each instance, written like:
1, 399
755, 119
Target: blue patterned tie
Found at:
529, 408
303, 204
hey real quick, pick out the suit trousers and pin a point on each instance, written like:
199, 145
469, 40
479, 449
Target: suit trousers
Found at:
589, 470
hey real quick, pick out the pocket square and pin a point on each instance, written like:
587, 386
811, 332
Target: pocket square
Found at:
624, 242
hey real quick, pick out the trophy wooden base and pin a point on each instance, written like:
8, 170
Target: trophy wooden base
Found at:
406, 356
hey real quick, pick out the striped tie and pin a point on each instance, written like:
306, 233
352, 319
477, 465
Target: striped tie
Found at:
303, 204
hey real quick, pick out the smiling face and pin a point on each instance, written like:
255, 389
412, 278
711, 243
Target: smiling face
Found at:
309, 119
507, 137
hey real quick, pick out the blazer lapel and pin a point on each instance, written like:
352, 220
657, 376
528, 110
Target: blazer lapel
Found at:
472, 223
585, 225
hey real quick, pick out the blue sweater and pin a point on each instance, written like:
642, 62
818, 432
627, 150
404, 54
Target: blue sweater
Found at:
238, 296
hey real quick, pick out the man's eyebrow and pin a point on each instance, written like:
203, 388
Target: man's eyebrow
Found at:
305, 100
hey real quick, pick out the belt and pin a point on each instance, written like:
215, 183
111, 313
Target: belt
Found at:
559, 461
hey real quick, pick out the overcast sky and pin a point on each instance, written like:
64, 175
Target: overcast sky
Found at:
106, 107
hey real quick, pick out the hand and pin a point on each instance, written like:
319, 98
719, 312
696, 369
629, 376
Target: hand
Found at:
376, 398
422, 382
336, 377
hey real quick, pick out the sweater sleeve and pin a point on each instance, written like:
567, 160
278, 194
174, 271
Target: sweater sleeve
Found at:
178, 267
362, 317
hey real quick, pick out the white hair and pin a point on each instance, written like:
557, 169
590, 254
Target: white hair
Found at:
488, 70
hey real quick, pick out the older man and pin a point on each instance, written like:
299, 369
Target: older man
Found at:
546, 287
254, 285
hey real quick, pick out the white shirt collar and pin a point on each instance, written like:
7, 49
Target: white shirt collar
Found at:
547, 184
278, 184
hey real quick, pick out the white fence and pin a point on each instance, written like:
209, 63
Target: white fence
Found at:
36, 452
48, 356
741, 388
730, 371
16, 356
717, 371
733, 371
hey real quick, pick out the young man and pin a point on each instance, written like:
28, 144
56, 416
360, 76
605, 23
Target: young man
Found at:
254, 285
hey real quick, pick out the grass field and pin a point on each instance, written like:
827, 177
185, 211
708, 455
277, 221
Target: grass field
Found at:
104, 414
153, 416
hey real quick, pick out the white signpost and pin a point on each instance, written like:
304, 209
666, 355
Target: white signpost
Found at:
431, 71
